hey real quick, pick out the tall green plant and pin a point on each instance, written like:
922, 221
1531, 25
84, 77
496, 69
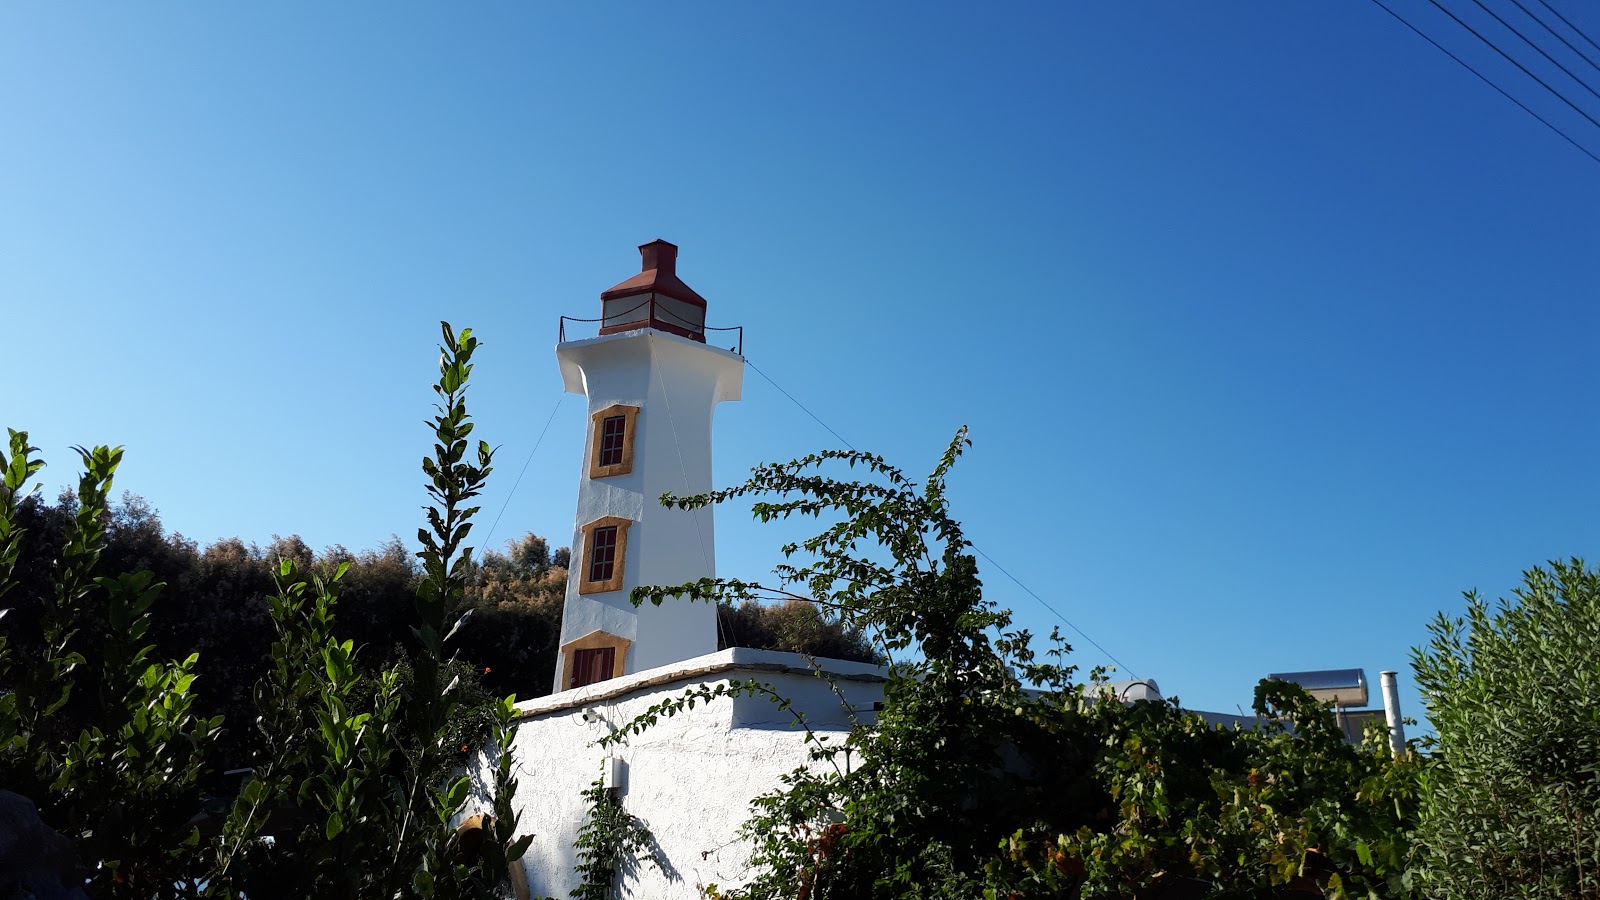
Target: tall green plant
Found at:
1513, 691
332, 746
456, 474
360, 786
20, 466
101, 737
364, 760
44, 684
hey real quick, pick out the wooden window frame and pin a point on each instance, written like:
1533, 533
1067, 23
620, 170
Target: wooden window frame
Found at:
602, 566
597, 422
619, 564
611, 439
594, 640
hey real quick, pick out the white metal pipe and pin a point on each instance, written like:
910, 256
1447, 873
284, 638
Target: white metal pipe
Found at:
1391, 712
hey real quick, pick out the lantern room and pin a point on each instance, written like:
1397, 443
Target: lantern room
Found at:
655, 298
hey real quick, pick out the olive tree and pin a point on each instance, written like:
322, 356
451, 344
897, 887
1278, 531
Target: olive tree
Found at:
1513, 691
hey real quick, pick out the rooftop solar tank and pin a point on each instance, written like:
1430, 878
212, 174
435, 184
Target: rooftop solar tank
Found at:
1344, 688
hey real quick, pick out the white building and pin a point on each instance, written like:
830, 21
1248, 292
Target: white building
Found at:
653, 384
690, 778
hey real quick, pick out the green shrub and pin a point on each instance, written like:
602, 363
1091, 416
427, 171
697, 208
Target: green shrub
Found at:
793, 625
1513, 691
357, 781
990, 771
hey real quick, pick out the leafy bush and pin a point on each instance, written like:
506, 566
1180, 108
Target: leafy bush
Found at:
1513, 691
215, 604
358, 780
96, 732
795, 625
991, 771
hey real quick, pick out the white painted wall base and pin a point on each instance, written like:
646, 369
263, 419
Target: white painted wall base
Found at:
689, 778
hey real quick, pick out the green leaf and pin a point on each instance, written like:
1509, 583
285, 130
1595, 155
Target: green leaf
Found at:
458, 792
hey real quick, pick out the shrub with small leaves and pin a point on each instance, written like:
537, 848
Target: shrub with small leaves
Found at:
1513, 691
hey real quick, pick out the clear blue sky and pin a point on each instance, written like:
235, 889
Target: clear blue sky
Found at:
1274, 327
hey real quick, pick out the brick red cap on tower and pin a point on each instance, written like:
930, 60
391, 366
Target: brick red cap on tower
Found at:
658, 275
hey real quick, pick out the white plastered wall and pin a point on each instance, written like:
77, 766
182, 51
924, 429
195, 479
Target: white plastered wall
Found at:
690, 778
676, 383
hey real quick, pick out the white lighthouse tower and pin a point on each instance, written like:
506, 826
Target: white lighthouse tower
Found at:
653, 384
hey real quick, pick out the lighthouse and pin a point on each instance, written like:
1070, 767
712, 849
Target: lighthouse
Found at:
653, 384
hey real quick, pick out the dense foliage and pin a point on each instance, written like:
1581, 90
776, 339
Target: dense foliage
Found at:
356, 778
352, 686
135, 666
991, 771
94, 728
793, 624
1513, 691
215, 604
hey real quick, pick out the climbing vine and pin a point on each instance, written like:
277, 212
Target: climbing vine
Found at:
610, 844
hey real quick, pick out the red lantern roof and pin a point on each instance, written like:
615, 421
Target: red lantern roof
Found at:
658, 275
655, 298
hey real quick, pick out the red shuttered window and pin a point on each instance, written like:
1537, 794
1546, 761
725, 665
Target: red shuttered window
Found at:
592, 666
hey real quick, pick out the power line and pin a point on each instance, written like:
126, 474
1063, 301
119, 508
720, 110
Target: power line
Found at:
1530, 43
798, 403
1542, 83
1529, 13
975, 549
1485, 79
1575, 28
1058, 615
524, 471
